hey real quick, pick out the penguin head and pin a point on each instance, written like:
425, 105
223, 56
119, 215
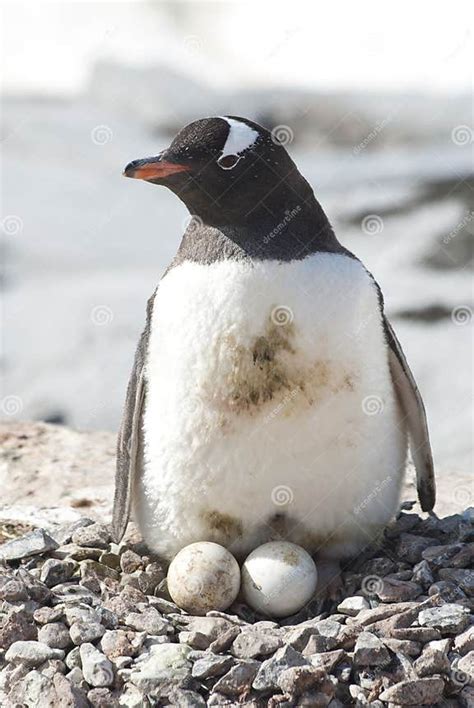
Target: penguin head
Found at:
225, 169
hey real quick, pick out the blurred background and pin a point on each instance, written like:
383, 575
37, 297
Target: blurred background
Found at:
374, 104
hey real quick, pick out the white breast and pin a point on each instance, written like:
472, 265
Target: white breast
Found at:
270, 409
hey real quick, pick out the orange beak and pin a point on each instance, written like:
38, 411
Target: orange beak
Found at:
151, 168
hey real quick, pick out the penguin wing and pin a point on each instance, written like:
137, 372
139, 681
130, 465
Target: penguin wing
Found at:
129, 443
414, 411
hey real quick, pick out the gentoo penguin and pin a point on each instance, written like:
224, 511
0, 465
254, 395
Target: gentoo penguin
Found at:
269, 398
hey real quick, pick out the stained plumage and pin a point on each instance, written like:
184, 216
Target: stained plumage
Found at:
269, 396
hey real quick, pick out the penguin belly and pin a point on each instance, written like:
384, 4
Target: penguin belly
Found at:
270, 411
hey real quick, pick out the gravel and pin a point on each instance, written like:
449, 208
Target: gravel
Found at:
89, 623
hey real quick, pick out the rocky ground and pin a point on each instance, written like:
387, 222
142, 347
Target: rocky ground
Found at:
86, 622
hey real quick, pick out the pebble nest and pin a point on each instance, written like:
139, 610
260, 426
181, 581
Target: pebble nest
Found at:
86, 622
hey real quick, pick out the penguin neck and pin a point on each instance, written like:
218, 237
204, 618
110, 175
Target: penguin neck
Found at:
285, 229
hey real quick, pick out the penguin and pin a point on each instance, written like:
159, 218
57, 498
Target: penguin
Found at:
270, 398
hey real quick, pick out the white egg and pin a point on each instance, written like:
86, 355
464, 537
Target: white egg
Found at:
278, 578
203, 576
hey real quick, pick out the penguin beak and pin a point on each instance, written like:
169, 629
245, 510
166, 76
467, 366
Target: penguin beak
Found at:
153, 168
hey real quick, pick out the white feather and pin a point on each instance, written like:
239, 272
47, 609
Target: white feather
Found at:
310, 448
241, 137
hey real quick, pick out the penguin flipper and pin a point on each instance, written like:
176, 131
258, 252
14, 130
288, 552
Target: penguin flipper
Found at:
414, 411
129, 443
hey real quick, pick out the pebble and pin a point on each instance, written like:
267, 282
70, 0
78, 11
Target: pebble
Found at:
434, 659
238, 680
464, 642
81, 632
166, 659
449, 618
55, 571
97, 669
55, 635
424, 691
31, 544
249, 645
269, 671
370, 651
212, 665
353, 605
95, 535
149, 621
32, 653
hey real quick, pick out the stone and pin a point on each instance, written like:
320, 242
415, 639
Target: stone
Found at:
449, 618
392, 590
211, 665
420, 692
102, 698
31, 544
73, 658
225, 640
466, 666
300, 679
410, 547
81, 632
416, 634
44, 615
459, 576
118, 642
95, 535
32, 653
422, 574
249, 645
55, 571
353, 605
434, 659
80, 613
92, 569
328, 660
55, 635
238, 680
12, 590
130, 561
402, 646
17, 626
439, 556
97, 669
370, 651
464, 642
149, 621
168, 662
267, 676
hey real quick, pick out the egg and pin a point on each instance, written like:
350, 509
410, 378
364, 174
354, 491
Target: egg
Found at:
278, 578
203, 576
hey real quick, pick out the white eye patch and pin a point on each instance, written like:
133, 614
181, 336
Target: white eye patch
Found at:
241, 137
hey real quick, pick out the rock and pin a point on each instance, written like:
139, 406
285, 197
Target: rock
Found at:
370, 651
130, 561
12, 590
439, 556
17, 626
80, 613
366, 617
459, 576
95, 535
353, 605
73, 658
392, 590
425, 691
149, 621
328, 660
119, 642
422, 574
225, 640
55, 571
466, 666
86, 632
92, 569
31, 544
300, 679
44, 615
449, 618
97, 669
249, 645
32, 653
464, 642
434, 659
267, 676
238, 680
168, 663
416, 634
55, 635
402, 646
211, 665
102, 698
411, 547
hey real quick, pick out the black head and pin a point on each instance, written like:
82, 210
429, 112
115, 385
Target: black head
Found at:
226, 170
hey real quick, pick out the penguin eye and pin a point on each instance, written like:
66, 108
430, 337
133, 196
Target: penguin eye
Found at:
227, 162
